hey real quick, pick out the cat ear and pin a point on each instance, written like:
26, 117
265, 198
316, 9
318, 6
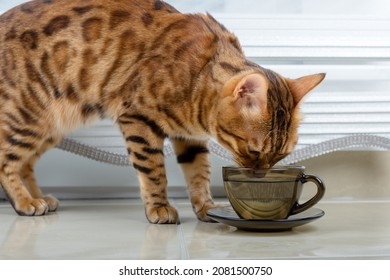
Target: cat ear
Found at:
251, 92
301, 86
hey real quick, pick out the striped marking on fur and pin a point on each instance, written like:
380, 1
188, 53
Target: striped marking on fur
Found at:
190, 154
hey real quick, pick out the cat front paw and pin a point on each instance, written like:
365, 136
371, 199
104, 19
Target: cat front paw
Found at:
52, 202
165, 214
31, 207
201, 212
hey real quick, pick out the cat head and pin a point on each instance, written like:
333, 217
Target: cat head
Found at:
258, 116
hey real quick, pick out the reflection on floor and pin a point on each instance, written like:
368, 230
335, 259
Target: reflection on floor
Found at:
118, 229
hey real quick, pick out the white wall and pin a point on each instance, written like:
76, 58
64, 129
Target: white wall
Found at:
7, 4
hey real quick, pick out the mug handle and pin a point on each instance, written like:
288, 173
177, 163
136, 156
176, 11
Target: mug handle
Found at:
298, 208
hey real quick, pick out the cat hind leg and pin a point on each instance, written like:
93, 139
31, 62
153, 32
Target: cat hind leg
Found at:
18, 195
16, 177
27, 173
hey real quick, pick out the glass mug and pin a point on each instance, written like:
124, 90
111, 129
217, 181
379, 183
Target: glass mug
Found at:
269, 194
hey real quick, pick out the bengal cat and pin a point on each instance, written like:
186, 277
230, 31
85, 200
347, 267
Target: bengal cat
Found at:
155, 71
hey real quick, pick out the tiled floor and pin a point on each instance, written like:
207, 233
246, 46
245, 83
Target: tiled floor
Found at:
117, 229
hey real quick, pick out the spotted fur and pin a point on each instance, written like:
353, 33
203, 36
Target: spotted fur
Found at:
155, 71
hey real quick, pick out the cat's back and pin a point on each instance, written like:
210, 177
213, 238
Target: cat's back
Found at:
92, 50
77, 38
70, 55
43, 19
